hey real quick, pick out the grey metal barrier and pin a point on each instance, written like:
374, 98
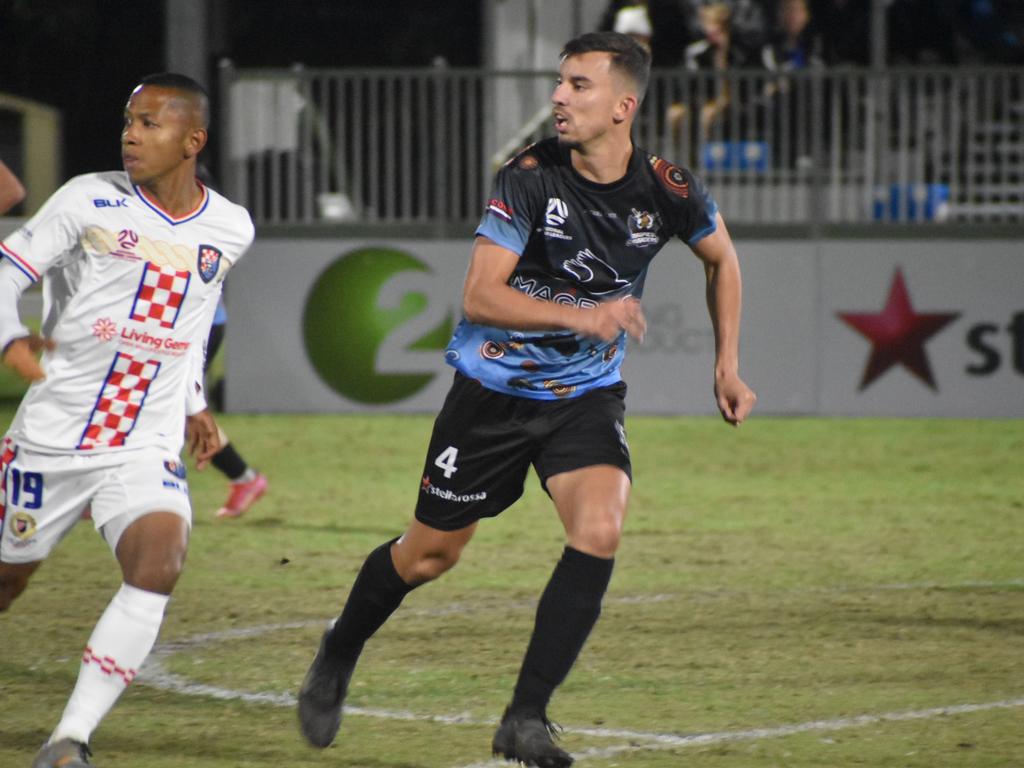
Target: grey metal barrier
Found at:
394, 147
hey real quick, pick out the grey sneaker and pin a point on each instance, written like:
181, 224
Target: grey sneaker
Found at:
321, 696
530, 740
64, 753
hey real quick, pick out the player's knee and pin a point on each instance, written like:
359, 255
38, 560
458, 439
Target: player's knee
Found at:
157, 575
430, 566
600, 537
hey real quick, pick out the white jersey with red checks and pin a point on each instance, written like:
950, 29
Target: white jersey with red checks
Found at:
128, 296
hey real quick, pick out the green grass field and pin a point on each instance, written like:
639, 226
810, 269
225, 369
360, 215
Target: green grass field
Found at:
797, 592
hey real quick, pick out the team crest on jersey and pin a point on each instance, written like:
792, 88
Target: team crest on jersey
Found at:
643, 228
176, 468
23, 525
209, 262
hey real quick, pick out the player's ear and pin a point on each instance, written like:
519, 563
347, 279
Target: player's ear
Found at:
195, 141
626, 108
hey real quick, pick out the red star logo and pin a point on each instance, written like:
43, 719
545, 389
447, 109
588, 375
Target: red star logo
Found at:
897, 334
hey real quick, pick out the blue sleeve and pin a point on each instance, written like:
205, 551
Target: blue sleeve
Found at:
508, 217
701, 214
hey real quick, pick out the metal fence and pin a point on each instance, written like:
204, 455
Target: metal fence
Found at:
395, 147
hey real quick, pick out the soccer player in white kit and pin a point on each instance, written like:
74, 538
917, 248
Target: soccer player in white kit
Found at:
133, 263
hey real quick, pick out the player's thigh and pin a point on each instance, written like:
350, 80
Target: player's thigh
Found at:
145, 482
42, 497
584, 465
592, 504
585, 431
477, 459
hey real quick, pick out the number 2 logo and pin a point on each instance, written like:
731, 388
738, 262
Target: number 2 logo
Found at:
446, 461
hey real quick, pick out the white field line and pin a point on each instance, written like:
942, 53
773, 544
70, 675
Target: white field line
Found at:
667, 741
155, 674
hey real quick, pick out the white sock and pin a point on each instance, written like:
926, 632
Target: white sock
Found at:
119, 644
247, 477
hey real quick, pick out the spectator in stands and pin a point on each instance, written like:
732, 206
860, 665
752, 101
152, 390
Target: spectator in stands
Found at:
751, 20
843, 26
669, 23
792, 45
714, 52
12, 191
633, 20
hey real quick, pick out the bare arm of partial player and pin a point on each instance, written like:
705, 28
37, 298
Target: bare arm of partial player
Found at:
18, 346
203, 437
11, 190
725, 298
488, 299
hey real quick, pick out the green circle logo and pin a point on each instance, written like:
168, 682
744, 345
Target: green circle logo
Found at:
343, 327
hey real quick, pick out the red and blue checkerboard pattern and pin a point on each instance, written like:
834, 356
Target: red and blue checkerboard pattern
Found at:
161, 293
120, 402
7, 453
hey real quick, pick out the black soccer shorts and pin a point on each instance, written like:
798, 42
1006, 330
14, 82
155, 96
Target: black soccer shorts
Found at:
484, 442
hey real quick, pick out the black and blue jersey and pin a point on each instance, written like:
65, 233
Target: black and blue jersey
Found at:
580, 243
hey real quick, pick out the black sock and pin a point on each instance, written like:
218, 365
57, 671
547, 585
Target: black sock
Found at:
376, 594
229, 462
567, 612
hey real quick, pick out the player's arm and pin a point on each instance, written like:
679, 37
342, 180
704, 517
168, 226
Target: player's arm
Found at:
12, 191
202, 435
488, 299
18, 346
47, 241
725, 297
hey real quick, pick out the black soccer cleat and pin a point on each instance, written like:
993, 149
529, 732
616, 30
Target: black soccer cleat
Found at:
322, 695
529, 739
65, 753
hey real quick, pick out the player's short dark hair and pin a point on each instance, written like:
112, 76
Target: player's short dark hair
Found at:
628, 56
183, 83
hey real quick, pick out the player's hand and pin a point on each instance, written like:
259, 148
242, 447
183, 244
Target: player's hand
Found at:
21, 356
608, 319
735, 398
202, 437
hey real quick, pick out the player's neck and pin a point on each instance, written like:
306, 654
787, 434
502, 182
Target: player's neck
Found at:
603, 162
176, 194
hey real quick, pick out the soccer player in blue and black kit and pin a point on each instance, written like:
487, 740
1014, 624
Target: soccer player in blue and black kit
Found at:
551, 295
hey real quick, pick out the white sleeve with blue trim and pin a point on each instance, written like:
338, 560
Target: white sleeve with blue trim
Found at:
50, 236
13, 282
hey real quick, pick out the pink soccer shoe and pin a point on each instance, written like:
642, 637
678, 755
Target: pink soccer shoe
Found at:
243, 495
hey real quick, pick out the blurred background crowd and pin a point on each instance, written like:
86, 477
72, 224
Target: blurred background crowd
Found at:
801, 33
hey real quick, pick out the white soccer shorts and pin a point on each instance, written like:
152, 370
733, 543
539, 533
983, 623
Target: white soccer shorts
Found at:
43, 496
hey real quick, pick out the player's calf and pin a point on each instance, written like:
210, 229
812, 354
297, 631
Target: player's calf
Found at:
13, 580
